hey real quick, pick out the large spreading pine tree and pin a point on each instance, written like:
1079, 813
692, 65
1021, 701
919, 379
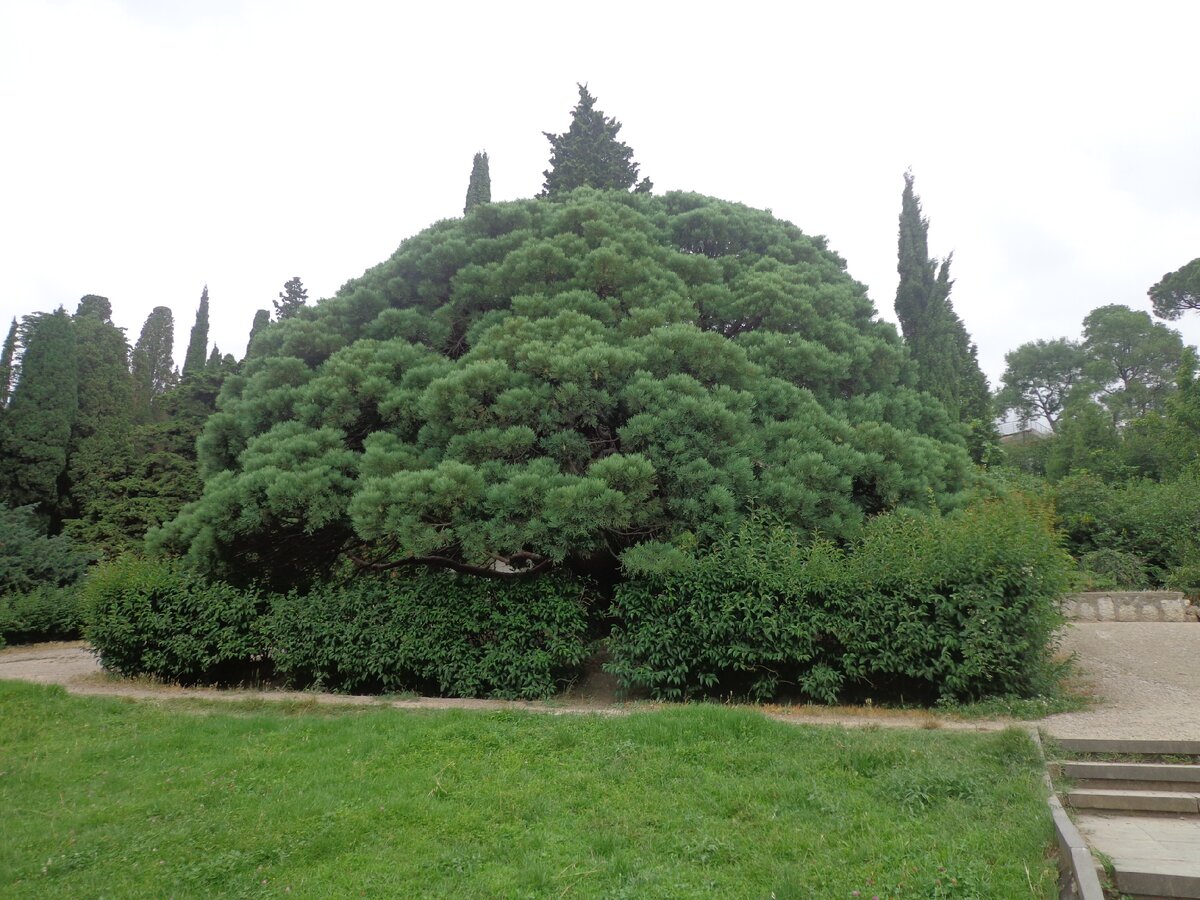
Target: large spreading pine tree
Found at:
197, 351
588, 153
945, 357
479, 189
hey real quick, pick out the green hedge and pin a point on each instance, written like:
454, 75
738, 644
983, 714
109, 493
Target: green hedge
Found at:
155, 617
957, 607
434, 632
45, 613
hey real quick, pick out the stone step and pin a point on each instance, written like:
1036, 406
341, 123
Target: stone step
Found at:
1130, 776
1158, 878
1178, 802
1114, 745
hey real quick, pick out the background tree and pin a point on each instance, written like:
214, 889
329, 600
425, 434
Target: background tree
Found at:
507, 388
197, 350
37, 425
262, 318
946, 362
1132, 359
8, 367
479, 189
1177, 291
588, 153
291, 299
153, 367
1038, 379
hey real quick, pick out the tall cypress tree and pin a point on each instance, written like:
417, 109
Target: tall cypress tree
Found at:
104, 419
153, 368
7, 363
39, 417
588, 153
197, 351
262, 318
105, 388
479, 189
945, 357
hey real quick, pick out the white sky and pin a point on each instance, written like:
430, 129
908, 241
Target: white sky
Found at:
148, 148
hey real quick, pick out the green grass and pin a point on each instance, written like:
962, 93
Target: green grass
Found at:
104, 797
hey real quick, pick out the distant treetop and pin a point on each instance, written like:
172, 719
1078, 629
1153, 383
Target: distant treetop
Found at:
588, 153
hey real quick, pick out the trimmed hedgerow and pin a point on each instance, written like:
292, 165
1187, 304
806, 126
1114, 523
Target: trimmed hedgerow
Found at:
44, 613
955, 607
434, 632
155, 617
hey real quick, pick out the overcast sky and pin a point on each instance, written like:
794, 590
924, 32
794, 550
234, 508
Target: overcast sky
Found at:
149, 148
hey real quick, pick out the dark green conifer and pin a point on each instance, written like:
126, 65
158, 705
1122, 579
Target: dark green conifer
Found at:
262, 318
945, 357
153, 368
197, 351
37, 424
588, 153
291, 299
479, 189
8, 364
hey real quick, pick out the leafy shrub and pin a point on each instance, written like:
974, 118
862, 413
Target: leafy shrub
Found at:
963, 606
959, 607
1152, 521
433, 632
155, 617
747, 617
1110, 569
45, 613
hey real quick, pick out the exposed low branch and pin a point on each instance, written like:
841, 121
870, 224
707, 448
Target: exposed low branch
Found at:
445, 562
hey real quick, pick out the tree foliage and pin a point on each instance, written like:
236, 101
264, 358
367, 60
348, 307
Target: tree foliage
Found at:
546, 384
197, 350
1178, 291
8, 364
262, 318
152, 365
37, 423
1039, 378
947, 366
589, 154
479, 189
1133, 360
291, 299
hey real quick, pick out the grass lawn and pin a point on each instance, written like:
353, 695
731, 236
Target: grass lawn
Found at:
103, 797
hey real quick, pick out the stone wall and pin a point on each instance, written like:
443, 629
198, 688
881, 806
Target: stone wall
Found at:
1128, 606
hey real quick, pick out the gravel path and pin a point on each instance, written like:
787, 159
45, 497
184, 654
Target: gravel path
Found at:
72, 665
1144, 676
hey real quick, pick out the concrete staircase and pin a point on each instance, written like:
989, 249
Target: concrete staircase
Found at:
1138, 804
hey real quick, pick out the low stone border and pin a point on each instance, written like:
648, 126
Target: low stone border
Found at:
1128, 606
1077, 878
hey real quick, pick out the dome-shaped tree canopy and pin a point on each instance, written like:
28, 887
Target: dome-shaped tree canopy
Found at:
553, 382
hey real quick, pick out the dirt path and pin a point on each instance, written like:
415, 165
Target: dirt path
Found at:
1144, 676
73, 666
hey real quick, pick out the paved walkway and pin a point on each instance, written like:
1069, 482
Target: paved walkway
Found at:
1144, 677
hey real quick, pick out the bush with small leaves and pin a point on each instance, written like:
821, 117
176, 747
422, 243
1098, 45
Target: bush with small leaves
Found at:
434, 632
155, 617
